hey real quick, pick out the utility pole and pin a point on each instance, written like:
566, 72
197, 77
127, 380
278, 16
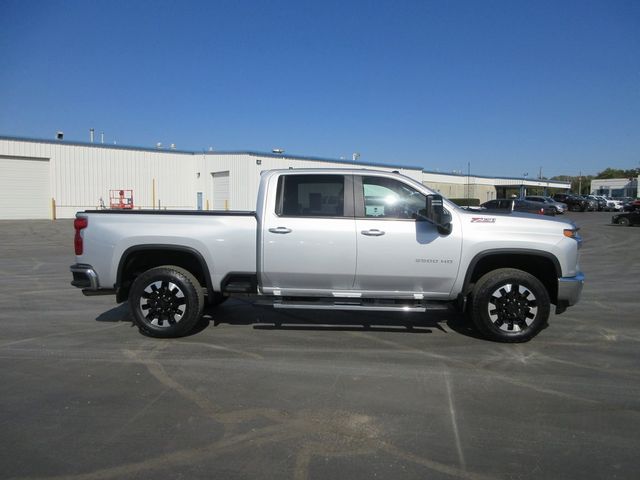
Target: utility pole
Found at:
580, 183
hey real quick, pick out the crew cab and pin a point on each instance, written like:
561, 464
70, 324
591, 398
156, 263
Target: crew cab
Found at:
333, 239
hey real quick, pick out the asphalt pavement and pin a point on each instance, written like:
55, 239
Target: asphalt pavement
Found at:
264, 394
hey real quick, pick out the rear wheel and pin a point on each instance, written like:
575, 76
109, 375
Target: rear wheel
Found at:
509, 305
166, 301
624, 221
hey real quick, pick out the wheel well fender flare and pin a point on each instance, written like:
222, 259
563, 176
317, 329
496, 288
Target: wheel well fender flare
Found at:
500, 254
126, 255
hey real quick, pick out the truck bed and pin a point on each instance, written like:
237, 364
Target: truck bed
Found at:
233, 213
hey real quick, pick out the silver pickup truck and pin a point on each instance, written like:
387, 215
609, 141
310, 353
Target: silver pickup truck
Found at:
333, 239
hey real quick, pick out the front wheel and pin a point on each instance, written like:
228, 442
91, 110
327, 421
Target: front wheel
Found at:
509, 305
166, 301
624, 221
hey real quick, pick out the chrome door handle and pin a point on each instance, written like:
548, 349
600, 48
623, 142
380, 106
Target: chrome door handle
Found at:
374, 232
280, 230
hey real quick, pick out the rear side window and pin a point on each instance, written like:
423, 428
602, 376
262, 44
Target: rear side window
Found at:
311, 196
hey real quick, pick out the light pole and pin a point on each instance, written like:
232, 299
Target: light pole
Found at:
580, 183
522, 187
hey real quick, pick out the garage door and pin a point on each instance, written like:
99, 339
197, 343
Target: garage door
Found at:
220, 190
24, 188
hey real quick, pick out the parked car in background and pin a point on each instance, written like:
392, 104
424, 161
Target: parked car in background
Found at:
632, 206
548, 202
592, 203
615, 204
517, 205
574, 202
601, 203
604, 201
627, 219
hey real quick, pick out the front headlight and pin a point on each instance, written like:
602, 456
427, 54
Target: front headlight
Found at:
573, 233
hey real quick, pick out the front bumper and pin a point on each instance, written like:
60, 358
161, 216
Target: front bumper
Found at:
84, 276
569, 291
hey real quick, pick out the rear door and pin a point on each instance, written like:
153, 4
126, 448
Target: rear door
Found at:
308, 239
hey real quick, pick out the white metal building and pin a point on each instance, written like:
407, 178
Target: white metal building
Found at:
484, 188
44, 179
615, 187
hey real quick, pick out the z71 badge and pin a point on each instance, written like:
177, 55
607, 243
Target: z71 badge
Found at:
483, 220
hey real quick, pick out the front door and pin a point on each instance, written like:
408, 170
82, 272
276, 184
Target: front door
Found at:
398, 250
309, 240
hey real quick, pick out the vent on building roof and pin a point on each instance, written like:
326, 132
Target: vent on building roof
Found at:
278, 151
59, 135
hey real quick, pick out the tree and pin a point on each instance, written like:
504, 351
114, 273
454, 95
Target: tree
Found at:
580, 184
618, 173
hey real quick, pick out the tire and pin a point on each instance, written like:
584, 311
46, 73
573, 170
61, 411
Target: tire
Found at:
506, 314
166, 302
624, 221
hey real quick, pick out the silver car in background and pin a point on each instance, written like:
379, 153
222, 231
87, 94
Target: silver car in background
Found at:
549, 203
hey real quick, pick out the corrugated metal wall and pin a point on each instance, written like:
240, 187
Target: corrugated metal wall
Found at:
81, 175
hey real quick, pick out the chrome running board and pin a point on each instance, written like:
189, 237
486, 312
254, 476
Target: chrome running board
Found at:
362, 305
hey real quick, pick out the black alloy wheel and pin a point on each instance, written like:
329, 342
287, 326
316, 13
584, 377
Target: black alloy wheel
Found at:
509, 305
166, 301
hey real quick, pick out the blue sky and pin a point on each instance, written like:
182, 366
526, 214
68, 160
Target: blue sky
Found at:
507, 86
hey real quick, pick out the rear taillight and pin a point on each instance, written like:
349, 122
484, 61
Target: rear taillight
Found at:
541, 211
79, 224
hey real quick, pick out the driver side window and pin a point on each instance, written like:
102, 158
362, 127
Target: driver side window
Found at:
390, 198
